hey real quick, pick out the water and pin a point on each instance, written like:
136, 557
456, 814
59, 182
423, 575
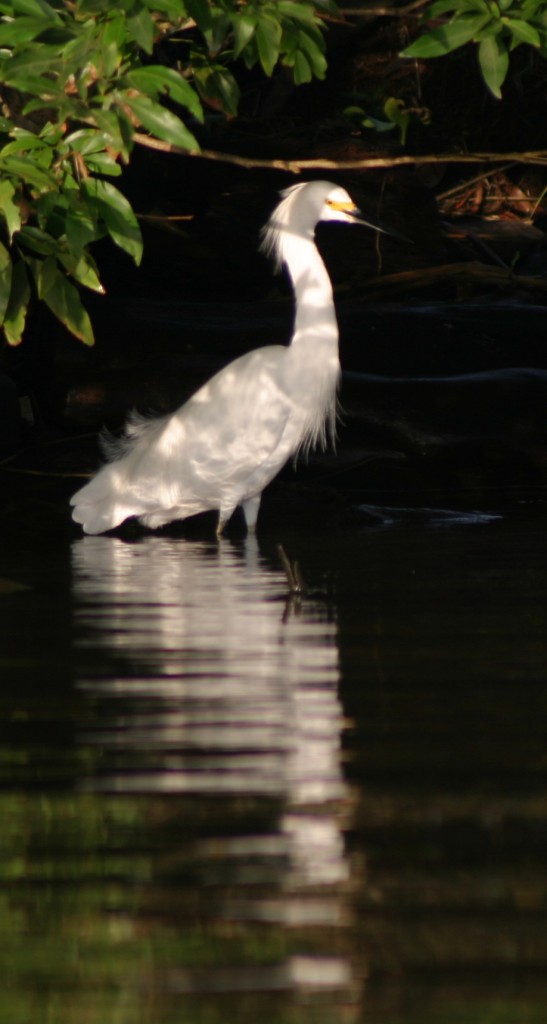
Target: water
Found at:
222, 802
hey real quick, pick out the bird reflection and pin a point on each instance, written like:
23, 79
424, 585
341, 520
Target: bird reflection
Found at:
219, 692
200, 685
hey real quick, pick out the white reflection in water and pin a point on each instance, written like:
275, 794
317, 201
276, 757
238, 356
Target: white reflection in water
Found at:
201, 684
215, 691
229, 695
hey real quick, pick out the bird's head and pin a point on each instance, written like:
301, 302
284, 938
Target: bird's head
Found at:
301, 208
336, 203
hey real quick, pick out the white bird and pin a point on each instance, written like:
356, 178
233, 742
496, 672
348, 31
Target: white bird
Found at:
228, 441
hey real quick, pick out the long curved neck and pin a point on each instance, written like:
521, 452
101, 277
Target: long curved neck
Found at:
315, 317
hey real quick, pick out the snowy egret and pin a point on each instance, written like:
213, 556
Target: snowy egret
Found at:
225, 444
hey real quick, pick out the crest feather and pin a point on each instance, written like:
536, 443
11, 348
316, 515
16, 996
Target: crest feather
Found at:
273, 232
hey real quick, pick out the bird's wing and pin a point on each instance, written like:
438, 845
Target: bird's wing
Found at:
238, 420
233, 428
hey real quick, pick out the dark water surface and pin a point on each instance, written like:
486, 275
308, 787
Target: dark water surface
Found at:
219, 804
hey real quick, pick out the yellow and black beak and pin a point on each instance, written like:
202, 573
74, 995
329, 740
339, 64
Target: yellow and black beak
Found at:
353, 212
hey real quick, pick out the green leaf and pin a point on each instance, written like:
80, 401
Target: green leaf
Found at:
6, 270
243, 27
80, 228
38, 58
36, 85
314, 34
44, 273
174, 10
155, 80
216, 32
446, 38
19, 298
20, 30
492, 28
302, 68
114, 33
10, 211
140, 25
116, 129
299, 12
116, 214
313, 53
87, 140
53, 134
395, 109
268, 40
23, 143
93, 145
83, 270
63, 300
218, 87
200, 11
37, 240
161, 122
51, 217
494, 63
441, 7
102, 163
522, 32
35, 8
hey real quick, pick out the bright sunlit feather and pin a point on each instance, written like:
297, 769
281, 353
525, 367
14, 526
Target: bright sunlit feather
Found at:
223, 446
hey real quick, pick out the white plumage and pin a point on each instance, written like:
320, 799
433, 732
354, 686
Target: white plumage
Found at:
224, 445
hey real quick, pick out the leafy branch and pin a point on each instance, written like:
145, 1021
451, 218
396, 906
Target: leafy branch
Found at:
496, 27
80, 83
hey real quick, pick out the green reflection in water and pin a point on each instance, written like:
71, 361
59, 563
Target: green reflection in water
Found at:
105, 919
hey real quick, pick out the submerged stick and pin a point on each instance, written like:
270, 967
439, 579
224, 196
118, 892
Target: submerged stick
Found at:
292, 572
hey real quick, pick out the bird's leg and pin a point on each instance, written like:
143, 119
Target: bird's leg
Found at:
250, 511
224, 513
223, 518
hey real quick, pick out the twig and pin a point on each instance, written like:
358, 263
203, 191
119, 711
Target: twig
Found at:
292, 571
471, 181
450, 272
363, 163
165, 217
487, 251
44, 473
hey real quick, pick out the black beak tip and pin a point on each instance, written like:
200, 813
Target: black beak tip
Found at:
379, 226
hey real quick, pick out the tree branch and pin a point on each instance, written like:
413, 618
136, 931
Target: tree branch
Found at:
364, 163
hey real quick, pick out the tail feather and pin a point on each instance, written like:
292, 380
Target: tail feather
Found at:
100, 504
116, 446
144, 477
99, 518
